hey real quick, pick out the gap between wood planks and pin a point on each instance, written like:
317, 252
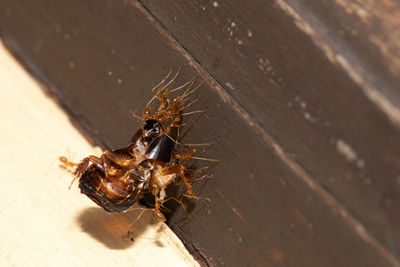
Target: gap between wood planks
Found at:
327, 197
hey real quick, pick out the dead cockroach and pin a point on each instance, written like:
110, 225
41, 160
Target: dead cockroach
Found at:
118, 178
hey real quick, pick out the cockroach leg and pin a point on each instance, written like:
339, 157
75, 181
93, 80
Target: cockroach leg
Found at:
109, 155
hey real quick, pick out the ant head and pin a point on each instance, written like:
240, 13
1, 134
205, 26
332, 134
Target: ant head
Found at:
151, 129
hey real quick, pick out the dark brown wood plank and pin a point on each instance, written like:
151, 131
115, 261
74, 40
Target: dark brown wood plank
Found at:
101, 59
331, 123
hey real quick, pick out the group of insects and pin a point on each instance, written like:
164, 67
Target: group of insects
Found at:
118, 178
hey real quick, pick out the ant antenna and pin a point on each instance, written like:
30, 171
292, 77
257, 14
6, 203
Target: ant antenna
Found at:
133, 113
182, 86
203, 144
164, 86
193, 112
163, 80
173, 79
207, 159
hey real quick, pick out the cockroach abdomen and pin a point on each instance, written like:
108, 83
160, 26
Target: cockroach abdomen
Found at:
89, 185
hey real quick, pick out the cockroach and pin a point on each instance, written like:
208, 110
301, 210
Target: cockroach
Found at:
118, 178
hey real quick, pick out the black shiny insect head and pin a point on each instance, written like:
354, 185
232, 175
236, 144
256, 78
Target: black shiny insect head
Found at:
151, 129
160, 146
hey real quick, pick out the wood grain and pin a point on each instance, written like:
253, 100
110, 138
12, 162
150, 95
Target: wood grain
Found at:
301, 116
312, 78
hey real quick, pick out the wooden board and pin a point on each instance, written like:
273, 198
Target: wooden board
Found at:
302, 109
42, 222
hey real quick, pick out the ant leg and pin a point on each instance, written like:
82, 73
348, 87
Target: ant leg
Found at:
203, 177
174, 124
158, 204
162, 111
182, 171
67, 164
162, 97
176, 115
186, 180
190, 155
175, 118
147, 114
187, 156
173, 107
178, 201
82, 167
102, 163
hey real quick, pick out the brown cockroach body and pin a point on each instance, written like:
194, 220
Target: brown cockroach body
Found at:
118, 178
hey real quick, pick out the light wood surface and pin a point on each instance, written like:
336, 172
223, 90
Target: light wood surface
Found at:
42, 223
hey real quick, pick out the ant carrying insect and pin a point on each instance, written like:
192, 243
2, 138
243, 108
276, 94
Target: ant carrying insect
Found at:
118, 178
